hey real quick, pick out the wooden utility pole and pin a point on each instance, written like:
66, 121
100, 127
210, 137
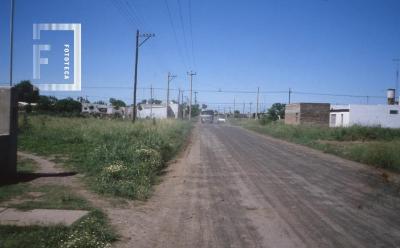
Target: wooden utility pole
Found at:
191, 74
183, 110
170, 77
138, 35
258, 98
179, 101
151, 101
251, 115
234, 106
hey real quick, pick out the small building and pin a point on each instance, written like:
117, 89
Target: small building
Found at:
365, 115
158, 111
102, 109
307, 113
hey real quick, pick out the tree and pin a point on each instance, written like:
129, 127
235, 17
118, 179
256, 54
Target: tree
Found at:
203, 106
26, 92
276, 111
236, 113
117, 103
82, 100
154, 101
68, 105
47, 103
195, 110
100, 102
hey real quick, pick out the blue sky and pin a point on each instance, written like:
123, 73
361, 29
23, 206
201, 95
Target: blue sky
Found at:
327, 46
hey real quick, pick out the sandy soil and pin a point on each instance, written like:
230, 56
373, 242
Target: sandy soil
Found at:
234, 188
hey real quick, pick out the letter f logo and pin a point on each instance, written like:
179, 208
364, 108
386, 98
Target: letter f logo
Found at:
37, 60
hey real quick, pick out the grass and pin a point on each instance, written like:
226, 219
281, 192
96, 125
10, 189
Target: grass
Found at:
24, 165
370, 145
118, 158
51, 197
91, 231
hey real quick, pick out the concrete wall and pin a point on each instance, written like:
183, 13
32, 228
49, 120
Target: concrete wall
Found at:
368, 115
5, 100
339, 119
8, 134
158, 111
307, 113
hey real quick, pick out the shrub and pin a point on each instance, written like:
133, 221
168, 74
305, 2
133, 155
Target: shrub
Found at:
118, 157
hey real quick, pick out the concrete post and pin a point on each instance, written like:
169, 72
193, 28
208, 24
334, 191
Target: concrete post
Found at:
8, 133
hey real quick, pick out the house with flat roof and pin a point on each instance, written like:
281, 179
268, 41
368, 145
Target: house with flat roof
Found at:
365, 115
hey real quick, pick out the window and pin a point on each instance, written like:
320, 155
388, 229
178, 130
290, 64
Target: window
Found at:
394, 112
333, 120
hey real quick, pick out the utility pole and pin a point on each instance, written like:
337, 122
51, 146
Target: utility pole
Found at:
234, 106
397, 61
12, 40
290, 94
179, 100
191, 74
258, 99
244, 107
151, 101
251, 115
138, 35
195, 97
183, 110
170, 77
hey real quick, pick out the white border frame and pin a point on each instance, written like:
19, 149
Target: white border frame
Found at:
76, 27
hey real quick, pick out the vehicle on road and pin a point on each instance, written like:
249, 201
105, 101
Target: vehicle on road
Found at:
207, 116
221, 120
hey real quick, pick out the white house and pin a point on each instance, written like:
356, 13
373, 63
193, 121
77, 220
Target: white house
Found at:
102, 109
158, 111
365, 115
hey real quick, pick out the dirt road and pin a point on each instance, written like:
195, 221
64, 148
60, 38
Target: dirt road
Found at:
234, 188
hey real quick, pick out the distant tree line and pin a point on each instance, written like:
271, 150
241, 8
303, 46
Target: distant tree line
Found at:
30, 95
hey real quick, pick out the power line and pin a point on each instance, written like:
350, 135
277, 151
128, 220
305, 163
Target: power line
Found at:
334, 95
175, 35
183, 28
191, 32
123, 12
245, 91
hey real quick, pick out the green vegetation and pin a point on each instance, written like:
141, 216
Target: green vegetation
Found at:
26, 165
119, 158
49, 197
370, 145
90, 232
9, 191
